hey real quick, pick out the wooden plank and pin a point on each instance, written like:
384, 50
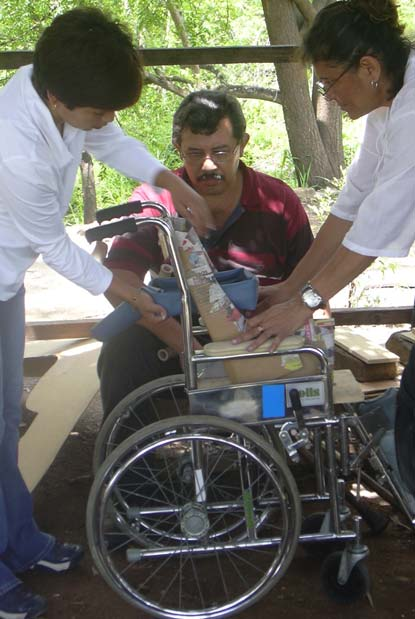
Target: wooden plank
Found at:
364, 371
57, 401
185, 55
47, 347
409, 336
38, 366
345, 388
39, 356
401, 343
354, 316
373, 316
14, 60
363, 347
61, 329
219, 55
376, 387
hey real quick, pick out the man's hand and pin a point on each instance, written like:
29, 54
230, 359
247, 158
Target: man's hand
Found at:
187, 202
275, 323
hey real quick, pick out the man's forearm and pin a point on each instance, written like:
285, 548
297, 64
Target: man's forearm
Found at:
170, 332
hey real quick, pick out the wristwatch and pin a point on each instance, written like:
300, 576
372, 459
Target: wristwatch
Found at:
311, 298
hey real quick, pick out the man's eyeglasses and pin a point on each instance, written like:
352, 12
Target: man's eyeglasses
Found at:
323, 88
220, 155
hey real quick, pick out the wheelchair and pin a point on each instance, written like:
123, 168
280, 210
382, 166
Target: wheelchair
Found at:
195, 510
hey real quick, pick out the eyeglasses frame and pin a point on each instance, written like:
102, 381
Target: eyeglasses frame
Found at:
323, 90
195, 158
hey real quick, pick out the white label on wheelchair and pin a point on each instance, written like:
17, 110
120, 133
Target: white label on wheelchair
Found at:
311, 393
276, 398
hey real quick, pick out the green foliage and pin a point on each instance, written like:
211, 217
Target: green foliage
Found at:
207, 23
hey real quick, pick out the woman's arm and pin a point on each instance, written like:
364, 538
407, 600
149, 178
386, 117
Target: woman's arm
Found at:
168, 330
130, 157
321, 251
280, 321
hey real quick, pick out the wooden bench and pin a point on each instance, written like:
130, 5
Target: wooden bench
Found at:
57, 401
401, 343
367, 360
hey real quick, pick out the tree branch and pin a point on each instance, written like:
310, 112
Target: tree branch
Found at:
165, 83
211, 68
252, 92
180, 27
178, 22
241, 91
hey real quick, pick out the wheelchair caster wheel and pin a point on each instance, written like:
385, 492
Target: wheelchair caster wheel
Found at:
353, 590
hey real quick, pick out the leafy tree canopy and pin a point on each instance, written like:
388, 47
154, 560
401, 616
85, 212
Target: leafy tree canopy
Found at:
178, 23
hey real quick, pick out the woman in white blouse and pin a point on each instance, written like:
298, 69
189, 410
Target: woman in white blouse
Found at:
365, 64
85, 68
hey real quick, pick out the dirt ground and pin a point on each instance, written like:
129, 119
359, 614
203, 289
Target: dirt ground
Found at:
60, 502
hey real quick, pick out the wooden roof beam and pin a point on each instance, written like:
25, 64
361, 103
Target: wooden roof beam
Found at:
185, 56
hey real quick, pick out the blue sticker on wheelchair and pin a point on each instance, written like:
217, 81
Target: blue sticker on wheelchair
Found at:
273, 401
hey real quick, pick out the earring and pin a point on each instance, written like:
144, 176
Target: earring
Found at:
374, 84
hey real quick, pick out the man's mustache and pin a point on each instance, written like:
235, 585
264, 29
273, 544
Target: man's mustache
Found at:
210, 175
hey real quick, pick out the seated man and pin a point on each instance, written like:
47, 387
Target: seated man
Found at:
260, 226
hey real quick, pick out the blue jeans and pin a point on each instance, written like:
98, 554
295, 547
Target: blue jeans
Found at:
405, 424
21, 542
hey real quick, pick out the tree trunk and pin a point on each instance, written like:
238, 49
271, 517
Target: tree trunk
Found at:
88, 188
307, 134
329, 123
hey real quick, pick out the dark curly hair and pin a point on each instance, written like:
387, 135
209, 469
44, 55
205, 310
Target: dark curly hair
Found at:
346, 30
86, 59
202, 111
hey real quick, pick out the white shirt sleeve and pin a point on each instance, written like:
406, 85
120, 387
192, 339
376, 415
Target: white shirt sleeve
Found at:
361, 173
379, 196
31, 193
123, 153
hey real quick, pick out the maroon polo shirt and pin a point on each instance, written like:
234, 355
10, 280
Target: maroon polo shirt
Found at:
267, 233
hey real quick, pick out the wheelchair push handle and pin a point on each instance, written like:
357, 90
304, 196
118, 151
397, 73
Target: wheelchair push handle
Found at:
125, 225
120, 210
129, 208
108, 230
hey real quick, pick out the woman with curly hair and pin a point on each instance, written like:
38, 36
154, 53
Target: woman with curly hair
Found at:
364, 63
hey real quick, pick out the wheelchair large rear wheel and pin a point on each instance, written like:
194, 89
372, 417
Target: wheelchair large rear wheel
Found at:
159, 399
204, 513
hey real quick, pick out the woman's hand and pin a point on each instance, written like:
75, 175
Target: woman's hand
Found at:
187, 202
125, 286
277, 322
268, 296
149, 310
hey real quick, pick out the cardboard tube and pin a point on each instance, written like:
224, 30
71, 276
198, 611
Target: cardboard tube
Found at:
164, 354
166, 270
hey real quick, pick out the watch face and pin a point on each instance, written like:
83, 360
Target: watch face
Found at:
311, 298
